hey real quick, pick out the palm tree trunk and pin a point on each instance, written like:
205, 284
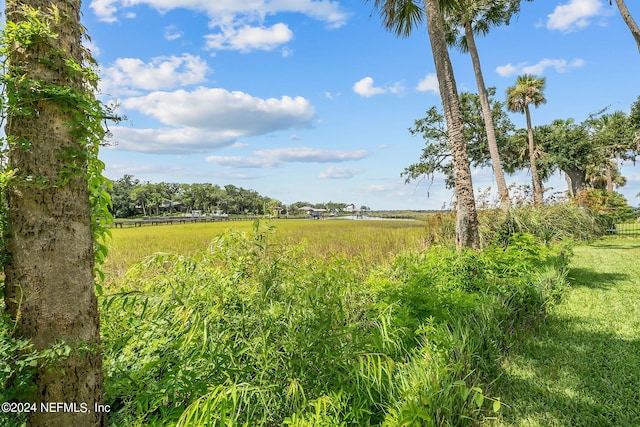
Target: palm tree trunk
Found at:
609, 177
467, 220
503, 191
49, 282
628, 19
537, 187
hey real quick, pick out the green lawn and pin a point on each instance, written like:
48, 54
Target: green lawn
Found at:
581, 367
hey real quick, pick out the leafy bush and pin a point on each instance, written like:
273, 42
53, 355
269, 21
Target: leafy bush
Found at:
609, 208
465, 319
252, 332
246, 331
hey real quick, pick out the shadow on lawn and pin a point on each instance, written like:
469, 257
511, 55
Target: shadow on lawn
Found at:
571, 377
595, 280
568, 372
616, 246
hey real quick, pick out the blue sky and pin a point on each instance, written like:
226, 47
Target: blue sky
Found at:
311, 100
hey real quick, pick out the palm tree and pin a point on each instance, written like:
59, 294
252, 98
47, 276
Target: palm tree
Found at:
402, 17
49, 268
613, 138
628, 19
529, 90
477, 17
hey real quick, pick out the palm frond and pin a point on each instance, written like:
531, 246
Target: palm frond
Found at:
400, 16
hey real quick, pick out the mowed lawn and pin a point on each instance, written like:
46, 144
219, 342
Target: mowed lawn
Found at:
581, 367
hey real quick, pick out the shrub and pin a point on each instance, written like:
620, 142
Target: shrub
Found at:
254, 332
609, 208
440, 228
549, 223
247, 331
460, 309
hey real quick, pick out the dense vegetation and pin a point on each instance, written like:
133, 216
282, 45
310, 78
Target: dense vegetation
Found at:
130, 197
256, 329
331, 323
587, 153
320, 323
256, 332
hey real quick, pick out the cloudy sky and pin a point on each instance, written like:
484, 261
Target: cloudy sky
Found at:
311, 100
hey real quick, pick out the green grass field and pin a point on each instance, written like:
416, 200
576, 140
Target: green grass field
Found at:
365, 241
582, 366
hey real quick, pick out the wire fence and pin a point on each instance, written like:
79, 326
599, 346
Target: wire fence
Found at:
626, 229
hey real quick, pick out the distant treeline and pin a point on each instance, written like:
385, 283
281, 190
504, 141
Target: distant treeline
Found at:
131, 197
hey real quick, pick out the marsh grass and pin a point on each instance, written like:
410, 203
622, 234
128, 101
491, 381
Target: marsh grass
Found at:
281, 327
366, 242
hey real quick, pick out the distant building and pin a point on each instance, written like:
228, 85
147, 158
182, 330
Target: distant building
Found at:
315, 213
172, 206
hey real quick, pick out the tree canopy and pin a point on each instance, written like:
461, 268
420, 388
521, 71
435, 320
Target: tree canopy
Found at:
436, 155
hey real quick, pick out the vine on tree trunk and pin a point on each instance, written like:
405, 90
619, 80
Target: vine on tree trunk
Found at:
20, 97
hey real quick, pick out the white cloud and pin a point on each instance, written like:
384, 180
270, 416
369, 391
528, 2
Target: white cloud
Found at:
248, 38
332, 96
216, 108
508, 70
128, 75
105, 9
277, 156
240, 23
366, 88
171, 32
335, 172
378, 188
314, 155
170, 140
429, 84
239, 162
208, 118
560, 65
574, 15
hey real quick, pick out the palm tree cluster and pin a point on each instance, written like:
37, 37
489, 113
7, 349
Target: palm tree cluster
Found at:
444, 20
456, 23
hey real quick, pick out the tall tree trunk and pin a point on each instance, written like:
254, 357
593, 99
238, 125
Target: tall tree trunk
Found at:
49, 285
609, 177
467, 220
503, 191
537, 186
628, 19
576, 180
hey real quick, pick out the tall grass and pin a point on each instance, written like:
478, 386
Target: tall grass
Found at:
549, 223
257, 330
363, 241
